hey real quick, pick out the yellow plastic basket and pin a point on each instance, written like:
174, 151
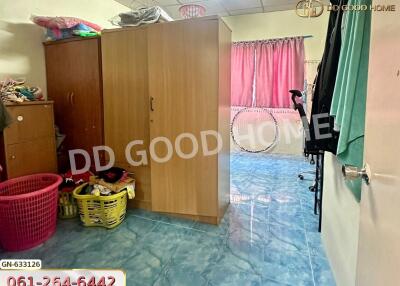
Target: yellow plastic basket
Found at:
105, 211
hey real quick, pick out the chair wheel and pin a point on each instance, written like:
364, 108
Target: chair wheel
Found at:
301, 177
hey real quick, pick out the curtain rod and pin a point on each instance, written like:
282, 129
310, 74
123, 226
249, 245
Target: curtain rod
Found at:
272, 40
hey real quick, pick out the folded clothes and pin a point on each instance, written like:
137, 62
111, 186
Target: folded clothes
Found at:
81, 30
62, 22
58, 28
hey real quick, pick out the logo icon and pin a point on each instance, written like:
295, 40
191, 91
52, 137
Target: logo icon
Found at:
309, 8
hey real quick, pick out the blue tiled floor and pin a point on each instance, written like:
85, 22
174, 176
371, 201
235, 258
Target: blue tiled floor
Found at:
267, 237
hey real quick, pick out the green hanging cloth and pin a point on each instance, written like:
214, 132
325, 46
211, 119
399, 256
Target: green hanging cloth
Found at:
349, 97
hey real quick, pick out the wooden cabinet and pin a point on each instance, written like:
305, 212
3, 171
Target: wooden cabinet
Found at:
28, 144
164, 80
74, 82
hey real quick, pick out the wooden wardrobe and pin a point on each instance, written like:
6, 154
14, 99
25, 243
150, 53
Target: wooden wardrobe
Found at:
74, 82
164, 80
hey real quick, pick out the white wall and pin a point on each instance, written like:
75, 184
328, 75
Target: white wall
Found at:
21, 51
340, 223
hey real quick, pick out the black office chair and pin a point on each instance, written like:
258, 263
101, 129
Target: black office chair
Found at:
299, 107
317, 188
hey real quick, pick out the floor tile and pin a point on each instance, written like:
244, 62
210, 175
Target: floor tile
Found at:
311, 225
315, 243
231, 269
286, 239
268, 236
291, 268
291, 219
175, 275
322, 272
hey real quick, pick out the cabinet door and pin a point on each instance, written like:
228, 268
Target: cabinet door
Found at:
26, 126
31, 157
126, 101
183, 86
74, 83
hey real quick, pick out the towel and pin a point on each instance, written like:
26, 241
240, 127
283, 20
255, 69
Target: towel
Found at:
350, 93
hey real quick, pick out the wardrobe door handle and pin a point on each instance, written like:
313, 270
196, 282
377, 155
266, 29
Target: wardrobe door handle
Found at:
69, 98
151, 103
72, 98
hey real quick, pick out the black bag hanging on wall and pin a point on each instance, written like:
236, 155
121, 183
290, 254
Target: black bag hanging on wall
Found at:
325, 84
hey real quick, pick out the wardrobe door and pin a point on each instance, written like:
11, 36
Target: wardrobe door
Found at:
85, 102
183, 87
126, 103
59, 71
74, 82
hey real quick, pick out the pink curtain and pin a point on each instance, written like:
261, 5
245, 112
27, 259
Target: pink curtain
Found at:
280, 67
242, 74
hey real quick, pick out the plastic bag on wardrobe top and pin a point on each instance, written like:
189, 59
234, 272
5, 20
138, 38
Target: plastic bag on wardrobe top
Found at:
139, 17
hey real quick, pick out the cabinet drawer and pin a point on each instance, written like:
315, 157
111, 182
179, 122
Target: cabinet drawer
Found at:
31, 157
29, 123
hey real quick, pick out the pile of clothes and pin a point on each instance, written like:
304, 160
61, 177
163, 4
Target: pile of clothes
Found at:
109, 182
58, 28
15, 90
71, 181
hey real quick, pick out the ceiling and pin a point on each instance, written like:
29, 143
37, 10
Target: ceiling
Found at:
217, 7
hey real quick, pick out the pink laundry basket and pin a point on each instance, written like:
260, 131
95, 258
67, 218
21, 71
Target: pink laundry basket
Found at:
28, 210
